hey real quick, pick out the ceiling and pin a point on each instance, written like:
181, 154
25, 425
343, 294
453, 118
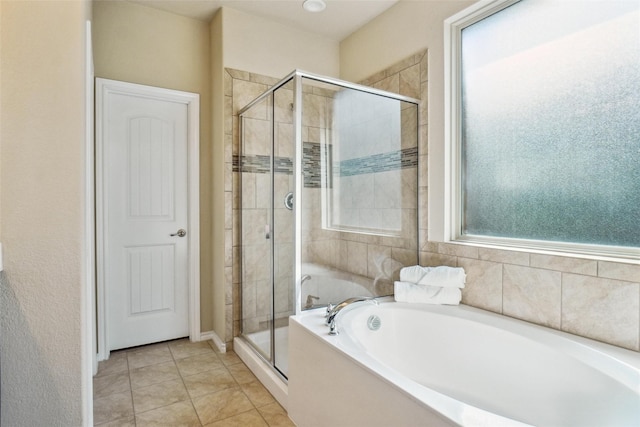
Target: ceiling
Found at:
337, 21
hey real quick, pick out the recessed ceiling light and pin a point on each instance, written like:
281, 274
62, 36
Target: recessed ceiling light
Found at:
314, 5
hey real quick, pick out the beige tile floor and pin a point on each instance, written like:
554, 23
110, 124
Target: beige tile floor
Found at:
179, 383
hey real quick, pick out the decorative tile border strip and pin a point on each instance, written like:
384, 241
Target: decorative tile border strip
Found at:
311, 164
311, 161
283, 165
252, 164
262, 164
384, 162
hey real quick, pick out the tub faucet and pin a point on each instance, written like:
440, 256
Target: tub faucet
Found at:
304, 278
333, 312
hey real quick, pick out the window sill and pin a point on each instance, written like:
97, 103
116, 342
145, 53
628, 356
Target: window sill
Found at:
589, 252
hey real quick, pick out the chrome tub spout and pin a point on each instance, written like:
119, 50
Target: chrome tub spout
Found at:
332, 311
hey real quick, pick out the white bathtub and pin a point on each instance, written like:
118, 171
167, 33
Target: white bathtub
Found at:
454, 365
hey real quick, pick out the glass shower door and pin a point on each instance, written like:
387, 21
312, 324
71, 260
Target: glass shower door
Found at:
267, 224
256, 171
284, 222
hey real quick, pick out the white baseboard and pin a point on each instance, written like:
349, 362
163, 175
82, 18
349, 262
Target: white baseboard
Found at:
211, 335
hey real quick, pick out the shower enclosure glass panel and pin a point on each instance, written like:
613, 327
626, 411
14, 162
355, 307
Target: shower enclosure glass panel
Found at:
359, 201
328, 201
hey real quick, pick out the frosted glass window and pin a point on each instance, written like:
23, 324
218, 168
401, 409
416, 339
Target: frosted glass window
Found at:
550, 123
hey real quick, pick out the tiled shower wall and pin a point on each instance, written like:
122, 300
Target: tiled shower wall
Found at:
591, 298
330, 248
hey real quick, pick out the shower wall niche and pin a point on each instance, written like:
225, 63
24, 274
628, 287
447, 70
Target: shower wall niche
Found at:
328, 200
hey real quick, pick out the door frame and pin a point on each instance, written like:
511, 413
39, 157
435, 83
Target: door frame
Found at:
105, 87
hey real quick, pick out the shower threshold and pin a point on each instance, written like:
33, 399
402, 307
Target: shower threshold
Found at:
262, 340
270, 377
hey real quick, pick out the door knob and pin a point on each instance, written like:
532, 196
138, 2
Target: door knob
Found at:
180, 233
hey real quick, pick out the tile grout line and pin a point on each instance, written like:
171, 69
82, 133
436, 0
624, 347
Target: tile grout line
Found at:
189, 394
133, 408
185, 385
175, 362
255, 408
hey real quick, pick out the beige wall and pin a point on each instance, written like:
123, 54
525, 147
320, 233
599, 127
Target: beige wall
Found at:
138, 44
42, 141
266, 47
404, 29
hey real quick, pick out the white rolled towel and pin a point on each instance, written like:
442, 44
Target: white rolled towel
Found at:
426, 294
446, 277
442, 276
413, 274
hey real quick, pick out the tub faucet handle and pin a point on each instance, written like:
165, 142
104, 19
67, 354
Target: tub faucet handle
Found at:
329, 309
333, 329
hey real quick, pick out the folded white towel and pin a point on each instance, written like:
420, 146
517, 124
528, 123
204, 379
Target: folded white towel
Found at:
413, 274
413, 293
443, 276
447, 277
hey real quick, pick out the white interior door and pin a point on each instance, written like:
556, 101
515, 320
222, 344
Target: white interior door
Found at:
145, 182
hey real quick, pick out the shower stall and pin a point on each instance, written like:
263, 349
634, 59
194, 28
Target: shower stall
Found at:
328, 201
